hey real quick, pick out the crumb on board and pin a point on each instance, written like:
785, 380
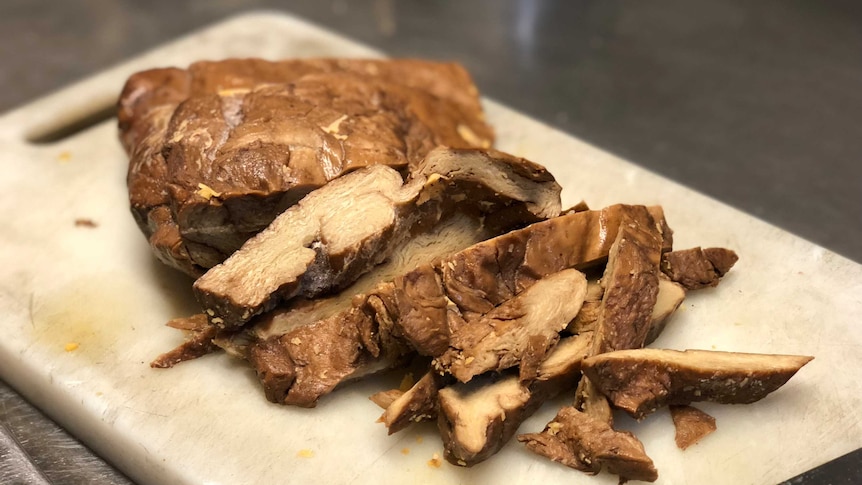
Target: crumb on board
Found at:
71, 346
405, 451
435, 461
305, 453
84, 222
419, 439
64, 156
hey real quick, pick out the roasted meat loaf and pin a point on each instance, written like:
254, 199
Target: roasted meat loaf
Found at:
219, 149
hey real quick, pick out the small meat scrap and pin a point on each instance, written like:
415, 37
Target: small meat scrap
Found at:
477, 418
697, 268
199, 341
579, 441
506, 335
85, 222
691, 425
640, 381
419, 403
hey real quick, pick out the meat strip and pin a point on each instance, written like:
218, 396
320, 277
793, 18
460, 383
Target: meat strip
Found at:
640, 381
697, 268
692, 425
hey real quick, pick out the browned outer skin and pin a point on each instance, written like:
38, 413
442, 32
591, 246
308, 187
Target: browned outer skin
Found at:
639, 385
691, 425
697, 268
598, 445
258, 134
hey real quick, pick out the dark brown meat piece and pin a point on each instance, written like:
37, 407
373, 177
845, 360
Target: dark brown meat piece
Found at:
342, 230
642, 380
210, 164
477, 418
695, 268
599, 446
692, 425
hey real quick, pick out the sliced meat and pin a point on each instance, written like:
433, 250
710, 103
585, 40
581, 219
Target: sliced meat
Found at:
480, 278
477, 418
630, 284
624, 318
419, 403
640, 381
210, 165
301, 366
599, 446
520, 329
691, 424
450, 235
697, 268
340, 231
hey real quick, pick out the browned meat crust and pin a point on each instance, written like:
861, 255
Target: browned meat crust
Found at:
210, 165
597, 443
692, 425
697, 268
640, 381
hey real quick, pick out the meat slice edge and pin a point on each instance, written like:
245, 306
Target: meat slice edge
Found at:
642, 380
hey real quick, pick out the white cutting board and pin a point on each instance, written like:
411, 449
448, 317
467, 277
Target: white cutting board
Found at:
207, 421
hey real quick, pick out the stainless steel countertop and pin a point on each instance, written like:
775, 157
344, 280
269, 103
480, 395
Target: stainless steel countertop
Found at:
757, 104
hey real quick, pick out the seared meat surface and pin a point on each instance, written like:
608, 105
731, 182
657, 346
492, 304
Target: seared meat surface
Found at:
221, 148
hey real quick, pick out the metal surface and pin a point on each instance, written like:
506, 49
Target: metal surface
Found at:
845, 470
754, 103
